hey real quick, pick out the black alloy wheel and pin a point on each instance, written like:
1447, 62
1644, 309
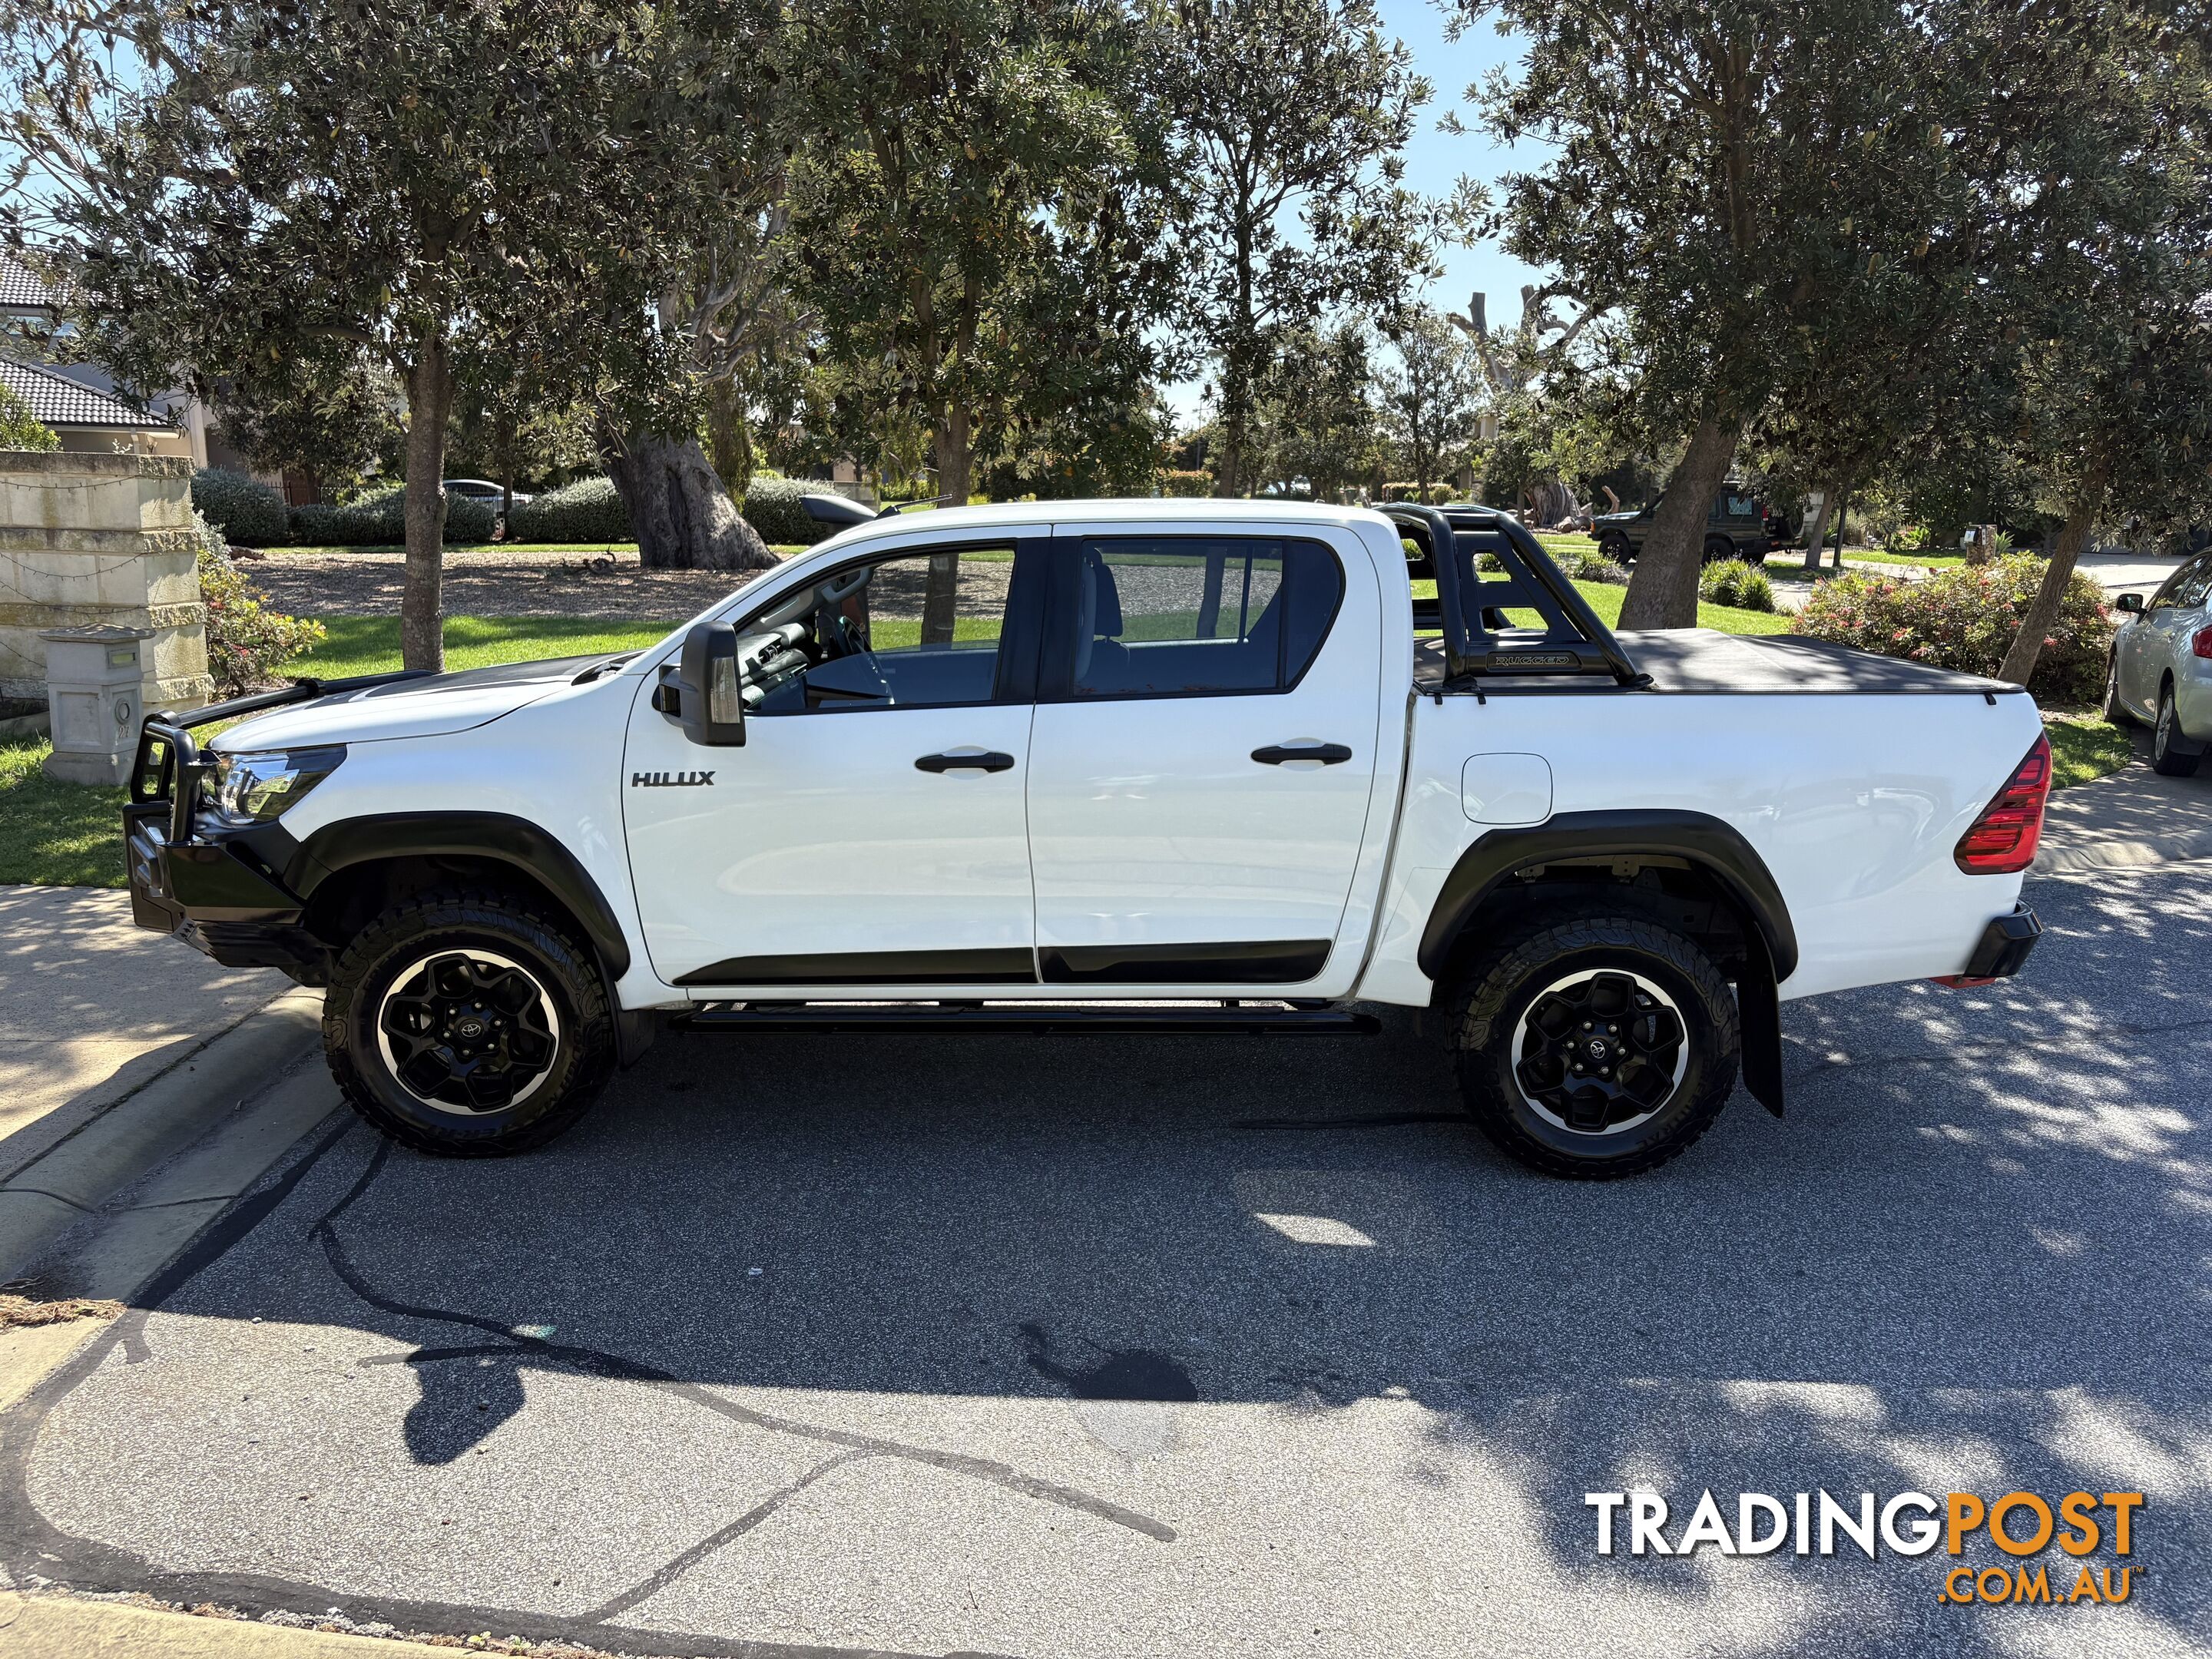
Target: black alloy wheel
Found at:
1592, 1043
1599, 1052
469, 1023
469, 1031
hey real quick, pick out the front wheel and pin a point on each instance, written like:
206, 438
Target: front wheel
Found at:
1593, 1046
2167, 758
1615, 549
468, 1024
2115, 710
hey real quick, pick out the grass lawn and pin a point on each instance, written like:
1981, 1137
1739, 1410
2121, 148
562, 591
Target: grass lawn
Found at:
1606, 599
370, 645
1925, 561
2084, 746
56, 834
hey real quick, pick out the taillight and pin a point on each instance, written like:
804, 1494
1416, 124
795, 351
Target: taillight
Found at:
2200, 642
2002, 841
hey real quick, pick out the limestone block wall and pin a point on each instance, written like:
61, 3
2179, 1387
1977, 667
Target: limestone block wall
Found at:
86, 539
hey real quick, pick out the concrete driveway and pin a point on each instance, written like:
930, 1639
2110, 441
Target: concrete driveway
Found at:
91, 1008
1212, 1346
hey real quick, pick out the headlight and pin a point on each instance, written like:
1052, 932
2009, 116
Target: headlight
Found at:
253, 786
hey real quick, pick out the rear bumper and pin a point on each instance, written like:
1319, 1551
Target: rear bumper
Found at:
2002, 949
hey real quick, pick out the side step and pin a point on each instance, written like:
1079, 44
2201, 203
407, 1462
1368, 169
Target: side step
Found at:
1013, 1019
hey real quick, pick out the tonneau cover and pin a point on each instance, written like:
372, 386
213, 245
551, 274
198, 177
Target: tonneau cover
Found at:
1703, 659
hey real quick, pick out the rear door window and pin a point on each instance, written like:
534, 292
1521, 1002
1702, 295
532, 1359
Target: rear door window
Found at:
1185, 616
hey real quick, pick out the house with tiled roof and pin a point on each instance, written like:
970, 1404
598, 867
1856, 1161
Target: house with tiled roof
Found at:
80, 401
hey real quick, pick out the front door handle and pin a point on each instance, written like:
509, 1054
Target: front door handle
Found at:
1328, 753
990, 761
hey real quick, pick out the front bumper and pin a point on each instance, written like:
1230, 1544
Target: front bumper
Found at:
223, 891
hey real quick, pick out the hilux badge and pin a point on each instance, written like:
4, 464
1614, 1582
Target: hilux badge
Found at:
670, 780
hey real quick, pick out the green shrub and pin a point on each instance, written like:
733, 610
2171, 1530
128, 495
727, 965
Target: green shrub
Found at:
1736, 583
589, 510
1907, 538
1597, 568
1186, 484
245, 510
245, 641
771, 507
21, 429
1964, 617
379, 520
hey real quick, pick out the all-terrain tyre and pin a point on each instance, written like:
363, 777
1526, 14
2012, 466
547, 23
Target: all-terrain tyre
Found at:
468, 1022
1615, 549
1592, 1047
1718, 548
2167, 758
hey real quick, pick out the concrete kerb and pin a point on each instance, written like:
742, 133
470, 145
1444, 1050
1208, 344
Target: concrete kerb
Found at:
70, 1182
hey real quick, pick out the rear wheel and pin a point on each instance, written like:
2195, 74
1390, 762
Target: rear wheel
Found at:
1718, 548
1593, 1046
2166, 757
468, 1024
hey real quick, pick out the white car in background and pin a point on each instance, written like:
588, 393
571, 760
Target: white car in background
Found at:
2161, 668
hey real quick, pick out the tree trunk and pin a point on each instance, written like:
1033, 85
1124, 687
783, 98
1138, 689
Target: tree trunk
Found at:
731, 436
429, 399
1664, 591
1235, 425
684, 518
1816, 527
940, 590
2035, 627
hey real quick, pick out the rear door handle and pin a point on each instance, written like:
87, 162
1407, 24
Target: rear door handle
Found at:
990, 761
1328, 753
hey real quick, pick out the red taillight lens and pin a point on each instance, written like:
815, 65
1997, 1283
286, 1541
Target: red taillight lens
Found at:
2002, 841
2200, 642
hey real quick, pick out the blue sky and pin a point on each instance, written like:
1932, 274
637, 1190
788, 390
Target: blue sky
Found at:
1435, 160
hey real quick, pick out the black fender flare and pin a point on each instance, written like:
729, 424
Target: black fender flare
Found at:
1700, 840
497, 835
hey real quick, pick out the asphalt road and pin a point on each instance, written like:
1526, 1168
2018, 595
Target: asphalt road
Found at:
1211, 1345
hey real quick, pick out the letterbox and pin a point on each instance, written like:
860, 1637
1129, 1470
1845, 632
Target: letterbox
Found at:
93, 682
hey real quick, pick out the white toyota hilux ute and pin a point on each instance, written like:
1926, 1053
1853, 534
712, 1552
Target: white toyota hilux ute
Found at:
1132, 766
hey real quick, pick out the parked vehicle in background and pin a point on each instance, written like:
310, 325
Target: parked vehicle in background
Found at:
1123, 765
1738, 528
483, 489
2161, 668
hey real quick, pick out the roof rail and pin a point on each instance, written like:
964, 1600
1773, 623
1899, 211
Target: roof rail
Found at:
1575, 641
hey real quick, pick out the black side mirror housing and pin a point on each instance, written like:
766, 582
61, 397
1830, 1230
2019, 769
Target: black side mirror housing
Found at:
2132, 602
709, 688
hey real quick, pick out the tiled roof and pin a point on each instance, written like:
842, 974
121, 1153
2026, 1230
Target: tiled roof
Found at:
59, 401
20, 289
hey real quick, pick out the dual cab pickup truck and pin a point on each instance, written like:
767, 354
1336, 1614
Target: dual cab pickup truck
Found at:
1111, 766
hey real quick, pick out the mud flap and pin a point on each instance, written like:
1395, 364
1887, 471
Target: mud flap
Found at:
1759, 1013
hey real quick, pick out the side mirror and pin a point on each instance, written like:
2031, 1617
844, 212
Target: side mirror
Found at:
712, 710
2132, 602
